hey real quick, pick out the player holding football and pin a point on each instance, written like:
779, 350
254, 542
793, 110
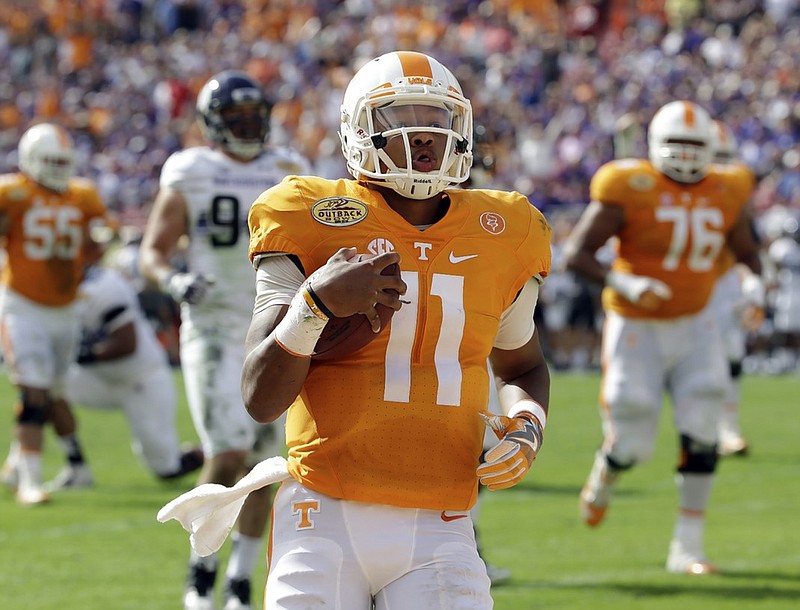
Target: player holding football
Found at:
384, 444
45, 218
205, 194
671, 216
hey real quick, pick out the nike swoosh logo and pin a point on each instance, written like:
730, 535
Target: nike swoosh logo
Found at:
460, 259
446, 517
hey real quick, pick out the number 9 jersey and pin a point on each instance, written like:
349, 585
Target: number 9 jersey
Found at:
407, 402
44, 233
219, 191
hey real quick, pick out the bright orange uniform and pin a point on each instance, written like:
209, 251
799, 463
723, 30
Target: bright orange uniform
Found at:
44, 232
409, 401
672, 232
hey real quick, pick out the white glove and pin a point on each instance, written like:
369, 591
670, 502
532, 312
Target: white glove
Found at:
188, 287
753, 302
753, 291
632, 287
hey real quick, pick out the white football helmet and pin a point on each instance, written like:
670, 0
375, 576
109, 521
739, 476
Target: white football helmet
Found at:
47, 156
368, 122
679, 141
723, 143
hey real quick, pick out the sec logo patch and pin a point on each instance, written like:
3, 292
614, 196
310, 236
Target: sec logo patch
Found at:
339, 211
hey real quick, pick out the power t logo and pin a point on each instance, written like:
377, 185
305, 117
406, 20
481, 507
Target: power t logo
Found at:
303, 510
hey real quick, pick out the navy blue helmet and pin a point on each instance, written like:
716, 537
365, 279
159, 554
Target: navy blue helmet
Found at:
234, 114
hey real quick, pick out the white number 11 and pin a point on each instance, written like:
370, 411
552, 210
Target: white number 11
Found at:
403, 333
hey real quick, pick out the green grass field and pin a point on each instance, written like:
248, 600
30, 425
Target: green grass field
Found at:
102, 548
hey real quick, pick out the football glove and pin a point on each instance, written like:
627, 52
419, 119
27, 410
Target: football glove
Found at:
86, 350
188, 287
86, 354
753, 302
634, 287
506, 463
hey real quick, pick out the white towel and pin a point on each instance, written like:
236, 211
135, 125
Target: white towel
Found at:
209, 511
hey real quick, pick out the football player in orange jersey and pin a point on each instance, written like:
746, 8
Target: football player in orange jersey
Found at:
45, 214
385, 444
738, 300
671, 217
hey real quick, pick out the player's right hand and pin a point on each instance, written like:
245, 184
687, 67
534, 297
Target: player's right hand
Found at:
189, 287
645, 292
347, 286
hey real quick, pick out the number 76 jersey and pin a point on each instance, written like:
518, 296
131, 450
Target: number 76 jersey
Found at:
397, 422
671, 231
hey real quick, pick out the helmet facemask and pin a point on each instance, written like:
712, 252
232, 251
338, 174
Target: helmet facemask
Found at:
679, 141
683, 161
234, 114
393, 117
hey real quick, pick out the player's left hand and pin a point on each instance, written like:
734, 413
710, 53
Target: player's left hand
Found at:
87, 351
754, 298
189, 287
506, 463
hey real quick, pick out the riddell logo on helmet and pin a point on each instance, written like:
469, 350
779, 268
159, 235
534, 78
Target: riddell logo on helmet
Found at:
423, 181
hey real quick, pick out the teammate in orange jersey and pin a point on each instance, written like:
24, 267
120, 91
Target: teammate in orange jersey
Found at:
384, 444
45, 214
671, 217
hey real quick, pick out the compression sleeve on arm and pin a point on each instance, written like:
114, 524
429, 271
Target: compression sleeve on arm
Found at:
516, 324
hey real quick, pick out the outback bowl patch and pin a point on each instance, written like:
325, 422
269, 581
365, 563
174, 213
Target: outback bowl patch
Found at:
339, 211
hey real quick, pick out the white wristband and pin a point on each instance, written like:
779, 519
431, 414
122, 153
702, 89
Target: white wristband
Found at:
300, 328
531, 406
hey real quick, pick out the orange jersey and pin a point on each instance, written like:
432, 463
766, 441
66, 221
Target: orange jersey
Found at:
672, 232
44, 233
397, 422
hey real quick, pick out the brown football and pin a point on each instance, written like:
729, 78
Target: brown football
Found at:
343, 336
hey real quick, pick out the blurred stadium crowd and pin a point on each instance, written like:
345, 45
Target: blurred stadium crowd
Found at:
558, 88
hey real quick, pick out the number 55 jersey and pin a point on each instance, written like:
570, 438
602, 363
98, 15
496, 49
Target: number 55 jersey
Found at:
397, 421
44, 232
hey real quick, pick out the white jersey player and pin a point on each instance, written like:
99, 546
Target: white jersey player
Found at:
205, 193
738, 304
784, 254
121, 365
